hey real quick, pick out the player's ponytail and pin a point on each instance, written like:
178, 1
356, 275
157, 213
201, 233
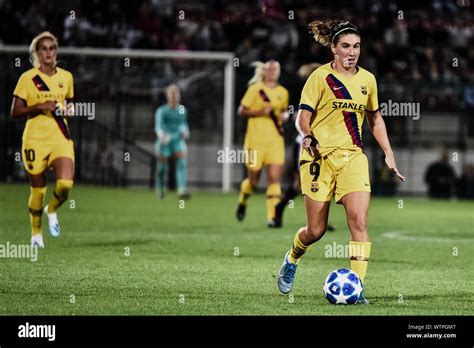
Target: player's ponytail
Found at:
328, 32
34, 60
259, 73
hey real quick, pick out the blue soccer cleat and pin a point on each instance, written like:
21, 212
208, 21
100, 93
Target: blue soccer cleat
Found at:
286, 275
362, 299
53, 223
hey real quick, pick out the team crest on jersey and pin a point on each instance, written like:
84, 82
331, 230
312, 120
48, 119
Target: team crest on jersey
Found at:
363, 89
60, 85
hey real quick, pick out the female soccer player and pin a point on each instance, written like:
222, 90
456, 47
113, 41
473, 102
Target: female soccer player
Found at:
333, 104
171, 127
265, 104
40, 95
294, 187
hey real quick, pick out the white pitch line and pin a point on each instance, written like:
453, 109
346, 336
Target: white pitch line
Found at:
402, 235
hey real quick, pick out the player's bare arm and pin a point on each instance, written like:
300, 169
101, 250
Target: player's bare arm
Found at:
20, 109
302, 125
246, 112
377, 126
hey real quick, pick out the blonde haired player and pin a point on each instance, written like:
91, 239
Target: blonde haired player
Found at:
334, 102
40, 95
172, 131
265, 105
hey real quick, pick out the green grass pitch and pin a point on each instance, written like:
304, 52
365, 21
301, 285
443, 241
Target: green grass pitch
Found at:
182, 260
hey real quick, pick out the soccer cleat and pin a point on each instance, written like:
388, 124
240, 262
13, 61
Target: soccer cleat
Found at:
278, 219
185, 196
362, 299
53, 223
37, 241
273, 224
286, 275
160, 193
330, 228
241, 212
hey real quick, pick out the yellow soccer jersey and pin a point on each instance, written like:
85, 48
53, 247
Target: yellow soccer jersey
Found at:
338, 104
262, 128
36, 87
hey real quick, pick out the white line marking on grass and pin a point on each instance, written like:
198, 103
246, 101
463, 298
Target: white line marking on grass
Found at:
404, 236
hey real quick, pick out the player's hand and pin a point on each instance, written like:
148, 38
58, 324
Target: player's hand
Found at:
390, 161
185, 134
49, 105
284, 116
165, 138
267, 110
310, 147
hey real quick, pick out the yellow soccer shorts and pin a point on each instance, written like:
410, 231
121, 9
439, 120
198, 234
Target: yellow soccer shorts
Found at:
258, 154
340, 172
38, 155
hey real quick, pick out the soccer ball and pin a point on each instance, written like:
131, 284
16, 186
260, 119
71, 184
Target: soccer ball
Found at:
342, 286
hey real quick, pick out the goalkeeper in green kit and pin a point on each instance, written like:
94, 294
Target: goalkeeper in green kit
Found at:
171, 127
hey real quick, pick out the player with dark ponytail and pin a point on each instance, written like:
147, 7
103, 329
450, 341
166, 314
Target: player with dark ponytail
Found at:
333, 105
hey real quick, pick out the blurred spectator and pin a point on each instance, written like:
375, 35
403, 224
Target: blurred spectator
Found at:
33, 21
246, 52
465, 184
77, 29
459, 33
147, 20
397, 35
163, 7
420, 45
440, 178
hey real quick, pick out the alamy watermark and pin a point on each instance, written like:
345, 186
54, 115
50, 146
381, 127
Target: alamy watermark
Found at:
28, 330
21, 251
394, 109
228, 155
76, 110
336, 250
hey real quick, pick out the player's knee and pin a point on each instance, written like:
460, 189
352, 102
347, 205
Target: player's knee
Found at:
315, 232
254, 182
180, 155
63, 187
358, 223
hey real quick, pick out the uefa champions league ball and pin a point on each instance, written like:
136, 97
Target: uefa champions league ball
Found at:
342, 286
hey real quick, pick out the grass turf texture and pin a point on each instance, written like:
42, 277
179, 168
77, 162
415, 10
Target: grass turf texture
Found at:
182, 260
